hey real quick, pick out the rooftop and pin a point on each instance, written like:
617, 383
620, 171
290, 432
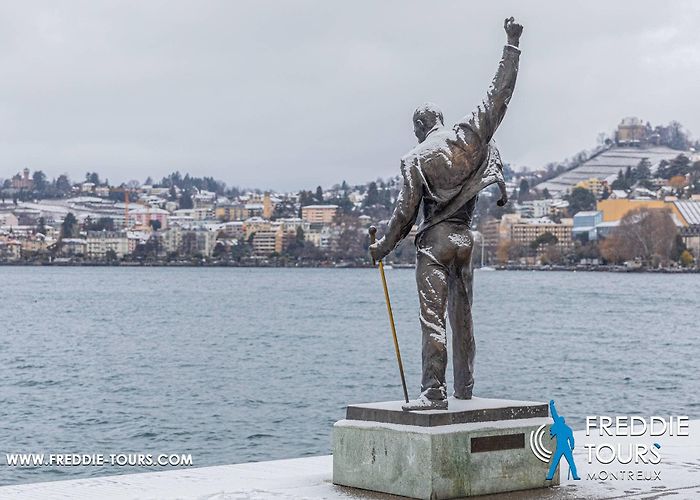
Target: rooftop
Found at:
690, 210
148, 210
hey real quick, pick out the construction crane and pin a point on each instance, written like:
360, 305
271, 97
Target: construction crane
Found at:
124, 190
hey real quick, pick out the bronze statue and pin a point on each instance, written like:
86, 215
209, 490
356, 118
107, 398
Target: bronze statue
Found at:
445, 172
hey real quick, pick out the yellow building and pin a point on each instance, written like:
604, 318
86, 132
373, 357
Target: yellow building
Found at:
268, 206
319, 213
283, 239
233, 212
255, 206
616, 209
264, 243
256, 225
594, 185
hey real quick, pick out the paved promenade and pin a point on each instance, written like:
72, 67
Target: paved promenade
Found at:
310, 478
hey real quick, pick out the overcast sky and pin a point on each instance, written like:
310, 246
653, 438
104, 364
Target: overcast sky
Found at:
292, 94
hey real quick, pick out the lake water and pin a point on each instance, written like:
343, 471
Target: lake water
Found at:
236, 365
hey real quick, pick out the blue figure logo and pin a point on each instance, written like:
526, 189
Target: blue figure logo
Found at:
565, 443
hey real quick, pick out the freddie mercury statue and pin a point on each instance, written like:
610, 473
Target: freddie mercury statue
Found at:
445, 172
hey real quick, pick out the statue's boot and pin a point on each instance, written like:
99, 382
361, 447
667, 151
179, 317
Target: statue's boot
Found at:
423, 403
463, 395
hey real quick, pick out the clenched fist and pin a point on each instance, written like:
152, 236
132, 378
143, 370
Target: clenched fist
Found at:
513, 30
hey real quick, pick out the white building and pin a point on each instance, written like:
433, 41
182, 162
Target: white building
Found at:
319, 236
98, 243
73, 246
172, 239
190, 241
536, 208
201, 213
199, 241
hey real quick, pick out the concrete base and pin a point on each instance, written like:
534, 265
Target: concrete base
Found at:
441, 461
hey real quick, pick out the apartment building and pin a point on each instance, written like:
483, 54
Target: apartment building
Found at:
319, 213
527, 232
232, 212
99, 243
141, 217
265, 242
594, 185
198, 241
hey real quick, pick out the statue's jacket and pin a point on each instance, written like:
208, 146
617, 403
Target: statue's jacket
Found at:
448, 169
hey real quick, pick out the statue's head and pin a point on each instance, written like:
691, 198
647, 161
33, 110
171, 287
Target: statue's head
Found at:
425, 118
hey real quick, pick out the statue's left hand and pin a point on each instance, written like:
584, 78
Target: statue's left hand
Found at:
374, 252
513, 30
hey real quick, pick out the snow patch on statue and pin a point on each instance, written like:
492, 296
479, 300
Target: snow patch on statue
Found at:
439, 333
461, 240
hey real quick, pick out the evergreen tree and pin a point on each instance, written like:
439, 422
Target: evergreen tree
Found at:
545, 238
39, 181
680, 165
63, 185
523, 190
643, 170
580, 200
186, 200
111, 255
69, 227
305, 198
619, 182
372, 197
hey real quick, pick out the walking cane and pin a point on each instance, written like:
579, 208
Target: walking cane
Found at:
372, 237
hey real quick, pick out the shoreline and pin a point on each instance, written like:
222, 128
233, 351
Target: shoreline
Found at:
577, 268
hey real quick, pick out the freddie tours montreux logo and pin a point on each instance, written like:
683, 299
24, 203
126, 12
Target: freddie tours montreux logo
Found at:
617, 448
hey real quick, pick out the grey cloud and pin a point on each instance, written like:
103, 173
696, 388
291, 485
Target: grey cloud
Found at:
289, 95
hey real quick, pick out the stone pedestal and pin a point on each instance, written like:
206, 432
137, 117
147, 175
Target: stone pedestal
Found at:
475, 447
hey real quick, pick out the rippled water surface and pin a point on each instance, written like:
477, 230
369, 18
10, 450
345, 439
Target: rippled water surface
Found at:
235, 365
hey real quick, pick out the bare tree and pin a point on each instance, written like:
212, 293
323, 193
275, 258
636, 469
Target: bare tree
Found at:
645, 234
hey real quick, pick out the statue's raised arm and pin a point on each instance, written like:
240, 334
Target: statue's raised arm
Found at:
488, 116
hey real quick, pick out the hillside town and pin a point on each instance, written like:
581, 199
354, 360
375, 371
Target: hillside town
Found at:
632, 202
